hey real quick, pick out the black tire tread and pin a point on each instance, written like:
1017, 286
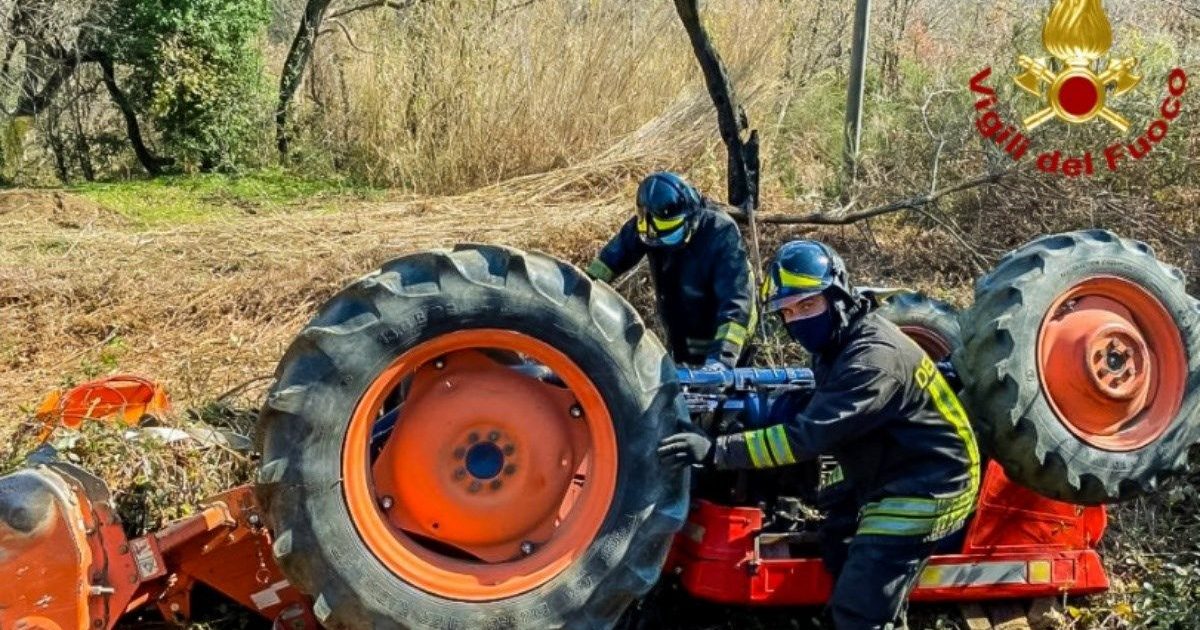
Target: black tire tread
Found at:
358, 315
1001, 397
918, 309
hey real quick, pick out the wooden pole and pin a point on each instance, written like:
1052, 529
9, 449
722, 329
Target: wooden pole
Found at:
854, 98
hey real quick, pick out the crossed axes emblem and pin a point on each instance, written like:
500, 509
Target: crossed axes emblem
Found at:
1077, 94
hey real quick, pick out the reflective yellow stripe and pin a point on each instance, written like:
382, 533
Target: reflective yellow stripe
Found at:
778, 441
798, 280
663, 225
893, 526
921, 516
732, 332
600, 271
952, 410
768, 287
831, 477
759, 456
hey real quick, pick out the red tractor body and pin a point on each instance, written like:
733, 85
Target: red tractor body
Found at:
1018, 545
77, 568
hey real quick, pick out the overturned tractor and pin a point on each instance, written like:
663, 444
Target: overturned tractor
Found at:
466, 439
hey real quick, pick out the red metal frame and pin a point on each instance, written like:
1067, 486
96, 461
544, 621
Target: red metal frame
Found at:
1019, 545
76, 568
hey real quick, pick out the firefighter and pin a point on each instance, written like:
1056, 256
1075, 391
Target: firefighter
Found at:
883, 410
703, 284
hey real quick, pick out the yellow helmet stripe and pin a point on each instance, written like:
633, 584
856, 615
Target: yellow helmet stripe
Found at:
664, 225
799, 280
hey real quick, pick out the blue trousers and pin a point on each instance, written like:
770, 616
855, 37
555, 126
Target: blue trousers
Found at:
873, 583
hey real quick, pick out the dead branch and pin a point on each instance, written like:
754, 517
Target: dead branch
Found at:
349, 36
374, 4
846, 215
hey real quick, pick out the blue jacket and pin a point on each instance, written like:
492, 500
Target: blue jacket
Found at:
704, 288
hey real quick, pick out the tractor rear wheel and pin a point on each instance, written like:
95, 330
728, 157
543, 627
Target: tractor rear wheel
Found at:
931, 323
1081, 366
466, 439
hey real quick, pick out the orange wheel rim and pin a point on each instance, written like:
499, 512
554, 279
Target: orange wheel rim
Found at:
934, 344
1112, 363
492, 481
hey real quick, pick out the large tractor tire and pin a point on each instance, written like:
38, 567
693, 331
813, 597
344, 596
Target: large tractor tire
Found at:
1081, 366
466, 439
931, 323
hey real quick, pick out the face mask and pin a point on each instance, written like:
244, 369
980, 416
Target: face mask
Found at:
814, 332
673, 238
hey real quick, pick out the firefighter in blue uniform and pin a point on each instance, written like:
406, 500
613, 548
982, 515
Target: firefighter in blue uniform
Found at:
702, 278
883, 410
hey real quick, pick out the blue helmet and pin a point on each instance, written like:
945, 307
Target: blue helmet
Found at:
802, 269
667, 207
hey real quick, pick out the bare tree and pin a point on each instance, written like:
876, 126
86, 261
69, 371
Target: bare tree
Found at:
300, 53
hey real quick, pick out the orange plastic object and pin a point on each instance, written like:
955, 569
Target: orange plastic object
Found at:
1112, 363
514, 473
124, 398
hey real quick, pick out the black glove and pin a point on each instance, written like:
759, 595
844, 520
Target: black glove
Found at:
685, 449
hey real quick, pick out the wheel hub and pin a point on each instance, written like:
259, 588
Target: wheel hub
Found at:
1111, 363
485, 461
481, 458
1097, 365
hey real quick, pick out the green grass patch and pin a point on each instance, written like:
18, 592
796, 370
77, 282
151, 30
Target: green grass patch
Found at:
181, 199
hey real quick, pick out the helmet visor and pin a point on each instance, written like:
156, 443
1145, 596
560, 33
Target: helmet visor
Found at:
791, 300
661, 231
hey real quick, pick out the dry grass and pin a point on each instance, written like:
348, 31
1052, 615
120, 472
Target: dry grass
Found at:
456, 96
205, 306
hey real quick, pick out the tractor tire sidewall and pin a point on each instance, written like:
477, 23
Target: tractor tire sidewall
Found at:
999, 366
362, 330
918, 310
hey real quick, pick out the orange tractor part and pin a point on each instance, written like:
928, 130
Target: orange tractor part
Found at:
125, 398
72, 566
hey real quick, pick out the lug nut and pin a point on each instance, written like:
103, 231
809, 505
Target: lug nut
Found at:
576, 411
496, 484
473, 438
460, 474
510, 469
386, 503
509, 449
493, 436
527, 548
460, 453
475, 486
439, 364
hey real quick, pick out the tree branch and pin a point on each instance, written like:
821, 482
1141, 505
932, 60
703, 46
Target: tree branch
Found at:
731, 118
301, 51
152, 163
846, 215
349, 36
374, 4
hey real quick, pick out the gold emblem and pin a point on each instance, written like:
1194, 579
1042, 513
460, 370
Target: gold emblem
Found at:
1078, 33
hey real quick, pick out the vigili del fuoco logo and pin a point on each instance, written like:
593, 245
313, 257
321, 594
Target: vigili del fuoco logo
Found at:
1081, 86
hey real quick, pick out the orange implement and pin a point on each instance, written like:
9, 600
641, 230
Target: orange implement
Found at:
124, 398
